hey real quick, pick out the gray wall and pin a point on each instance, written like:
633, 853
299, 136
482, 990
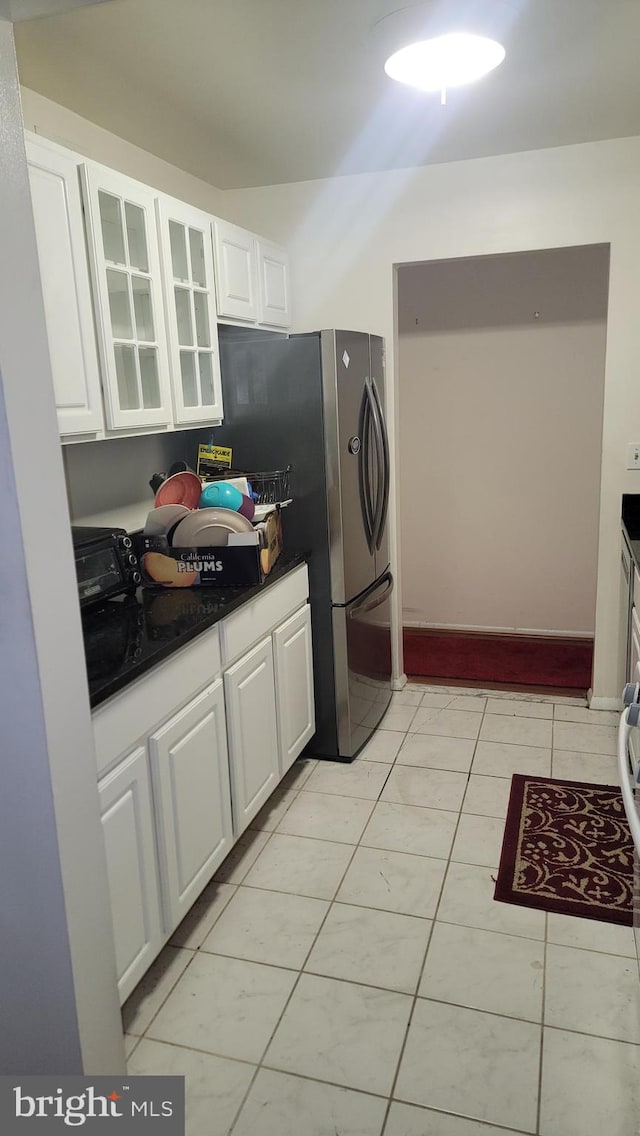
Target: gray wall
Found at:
104, 475
58, 999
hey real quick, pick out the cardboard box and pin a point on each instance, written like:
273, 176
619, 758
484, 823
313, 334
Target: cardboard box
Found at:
240, 563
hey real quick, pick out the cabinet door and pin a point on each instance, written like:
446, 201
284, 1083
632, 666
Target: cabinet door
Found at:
190, 309
125, 263
253, 738
127, 823
294, 686
190, 771
66, 291
236, 272
273, 269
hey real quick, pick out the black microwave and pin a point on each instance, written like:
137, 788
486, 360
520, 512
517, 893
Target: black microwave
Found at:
106, 565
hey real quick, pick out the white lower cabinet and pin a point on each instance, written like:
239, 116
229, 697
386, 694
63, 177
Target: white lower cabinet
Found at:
253, 735
129, 837
198, 763
190, 776
294, 686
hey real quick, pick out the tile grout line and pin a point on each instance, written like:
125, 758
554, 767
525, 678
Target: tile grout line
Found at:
426, 952
542, 1017
329, 909
301, 971
403, 1048
153, 1017
258, 1066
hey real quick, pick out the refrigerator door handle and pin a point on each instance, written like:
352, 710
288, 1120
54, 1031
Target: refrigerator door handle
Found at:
360, 609
366, 500
385, 466
380, 466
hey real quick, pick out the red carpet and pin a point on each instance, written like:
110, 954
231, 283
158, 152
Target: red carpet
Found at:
567, 848
498, 658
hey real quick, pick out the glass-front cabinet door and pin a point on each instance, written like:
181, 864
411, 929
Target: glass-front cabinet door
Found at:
125, 261
187, 263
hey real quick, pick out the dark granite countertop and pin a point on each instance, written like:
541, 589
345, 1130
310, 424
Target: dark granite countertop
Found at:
631, 523
128, 636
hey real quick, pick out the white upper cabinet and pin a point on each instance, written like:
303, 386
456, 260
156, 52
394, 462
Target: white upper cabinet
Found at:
252, 278
273, 273
190, 309
125, 262
134, 283
236, 272
64, 272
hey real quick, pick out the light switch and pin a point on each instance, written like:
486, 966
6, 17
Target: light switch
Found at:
633, 455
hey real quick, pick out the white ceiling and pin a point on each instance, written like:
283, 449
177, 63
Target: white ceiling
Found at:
256, 92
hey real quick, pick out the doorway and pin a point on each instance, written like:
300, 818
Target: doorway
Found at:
501, 387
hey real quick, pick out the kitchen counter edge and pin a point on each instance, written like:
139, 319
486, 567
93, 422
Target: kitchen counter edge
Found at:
209, 604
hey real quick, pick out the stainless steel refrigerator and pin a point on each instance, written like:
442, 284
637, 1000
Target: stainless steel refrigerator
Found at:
315, 402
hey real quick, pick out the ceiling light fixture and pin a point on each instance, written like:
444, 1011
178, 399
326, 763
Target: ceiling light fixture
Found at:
446, 61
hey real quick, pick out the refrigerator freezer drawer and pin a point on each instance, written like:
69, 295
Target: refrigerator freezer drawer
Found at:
362, 645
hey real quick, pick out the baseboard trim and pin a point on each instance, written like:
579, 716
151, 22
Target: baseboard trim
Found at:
469, 629
597, 702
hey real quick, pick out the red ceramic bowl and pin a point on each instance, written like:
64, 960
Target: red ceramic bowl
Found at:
181, 489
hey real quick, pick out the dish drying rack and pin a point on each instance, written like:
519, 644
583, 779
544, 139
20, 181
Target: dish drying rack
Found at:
268, 487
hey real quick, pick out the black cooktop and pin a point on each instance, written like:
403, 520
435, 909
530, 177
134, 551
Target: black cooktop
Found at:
128, 636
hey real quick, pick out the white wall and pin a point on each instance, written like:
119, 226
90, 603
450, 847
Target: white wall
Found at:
346, 234
501, 381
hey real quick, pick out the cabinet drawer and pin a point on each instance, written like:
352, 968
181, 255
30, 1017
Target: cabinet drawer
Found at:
258, 617
132, 714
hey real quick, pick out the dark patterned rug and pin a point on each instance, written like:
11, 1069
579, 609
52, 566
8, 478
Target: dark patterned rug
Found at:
567, 848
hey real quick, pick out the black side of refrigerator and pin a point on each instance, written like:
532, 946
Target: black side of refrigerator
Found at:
273, 417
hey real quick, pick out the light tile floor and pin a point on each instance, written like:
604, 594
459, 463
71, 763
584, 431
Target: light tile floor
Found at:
348, 971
